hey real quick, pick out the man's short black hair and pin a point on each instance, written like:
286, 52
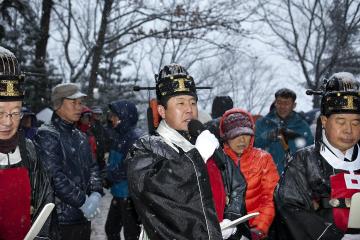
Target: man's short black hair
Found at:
163, 101
285, 93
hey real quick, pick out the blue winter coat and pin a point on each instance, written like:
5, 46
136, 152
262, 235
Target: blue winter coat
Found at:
271, 122
65, 154
126, 134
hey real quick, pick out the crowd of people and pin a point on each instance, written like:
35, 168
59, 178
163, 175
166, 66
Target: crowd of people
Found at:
186, 179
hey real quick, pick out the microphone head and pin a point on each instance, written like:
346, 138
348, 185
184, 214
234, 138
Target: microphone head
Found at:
195, 127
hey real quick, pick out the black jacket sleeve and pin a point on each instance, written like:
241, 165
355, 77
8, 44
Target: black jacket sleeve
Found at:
235, 188
41, 190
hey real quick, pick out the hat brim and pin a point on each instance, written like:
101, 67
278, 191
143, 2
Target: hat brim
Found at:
77, 95
233, 133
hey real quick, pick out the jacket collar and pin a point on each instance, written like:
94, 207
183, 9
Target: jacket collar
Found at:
61, 123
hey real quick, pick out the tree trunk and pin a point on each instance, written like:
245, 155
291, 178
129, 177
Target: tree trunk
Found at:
98, 49
40, 51
42, 87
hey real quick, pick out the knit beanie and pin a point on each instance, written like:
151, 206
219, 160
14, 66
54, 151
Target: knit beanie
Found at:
237, 124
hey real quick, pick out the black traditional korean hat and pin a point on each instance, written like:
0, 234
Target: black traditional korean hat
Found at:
172, 80
341, 95
11, 78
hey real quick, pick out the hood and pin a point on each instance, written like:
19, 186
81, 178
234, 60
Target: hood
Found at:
84, 127
27, 112
127, 113
242, 111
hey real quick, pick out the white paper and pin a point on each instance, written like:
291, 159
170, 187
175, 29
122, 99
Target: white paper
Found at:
39, 222
239, 220
354, 216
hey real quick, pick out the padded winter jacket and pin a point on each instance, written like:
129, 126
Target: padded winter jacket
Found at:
126, 133
264, 132
66, 155
261, 176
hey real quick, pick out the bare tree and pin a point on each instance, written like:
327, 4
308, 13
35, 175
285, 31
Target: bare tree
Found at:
27, 33
41, 44
76, 33
130, 22
98, 48
312, 34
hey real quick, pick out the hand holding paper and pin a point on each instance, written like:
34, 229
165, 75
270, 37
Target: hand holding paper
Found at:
239, 220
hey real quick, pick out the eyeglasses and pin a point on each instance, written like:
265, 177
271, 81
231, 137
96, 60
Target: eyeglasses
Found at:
14, 115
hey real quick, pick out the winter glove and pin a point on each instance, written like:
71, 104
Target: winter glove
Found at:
351, 237
256, 234
206, 143
91, 206
227, 232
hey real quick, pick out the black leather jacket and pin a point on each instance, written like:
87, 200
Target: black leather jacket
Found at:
171, 191
41, 190
305, 181
235, 188
66, 155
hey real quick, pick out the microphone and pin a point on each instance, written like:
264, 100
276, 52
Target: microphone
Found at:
195, 128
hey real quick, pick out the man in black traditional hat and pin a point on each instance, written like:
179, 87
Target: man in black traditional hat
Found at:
314, 193
167, 172
24, 186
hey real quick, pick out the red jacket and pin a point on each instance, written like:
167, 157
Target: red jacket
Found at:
261, 176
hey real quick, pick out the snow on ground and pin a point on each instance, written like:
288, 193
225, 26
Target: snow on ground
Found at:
98, 224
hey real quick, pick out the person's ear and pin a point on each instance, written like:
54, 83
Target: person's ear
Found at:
294, 106
323, 120
161, 111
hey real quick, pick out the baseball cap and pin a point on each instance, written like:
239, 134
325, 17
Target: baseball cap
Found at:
65, 90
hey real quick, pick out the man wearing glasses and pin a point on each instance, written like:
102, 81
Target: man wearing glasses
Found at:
24, 188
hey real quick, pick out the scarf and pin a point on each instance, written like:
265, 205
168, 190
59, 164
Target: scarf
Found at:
173, 138
336, 158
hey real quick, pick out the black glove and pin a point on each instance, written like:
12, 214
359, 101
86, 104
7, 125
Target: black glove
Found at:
288, 133
106, 183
